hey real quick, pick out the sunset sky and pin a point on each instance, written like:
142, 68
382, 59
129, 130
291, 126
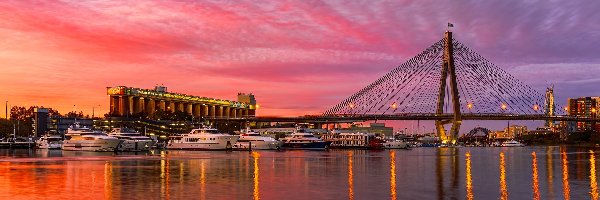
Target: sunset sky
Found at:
297, 57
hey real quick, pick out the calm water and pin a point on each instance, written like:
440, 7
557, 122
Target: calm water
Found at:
421, 173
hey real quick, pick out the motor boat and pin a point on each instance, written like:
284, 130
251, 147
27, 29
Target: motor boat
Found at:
202, 139
302, 140
512, 143
50, 142
252, 140
132, 140
81, 138
397, 144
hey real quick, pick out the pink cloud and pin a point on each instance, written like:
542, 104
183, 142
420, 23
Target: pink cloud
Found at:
298, 57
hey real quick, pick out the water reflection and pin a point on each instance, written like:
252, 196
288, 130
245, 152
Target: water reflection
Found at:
164, 174
350, 177
108, 171
447, 166
468, 181
256, 193
393, 175
422, 173
503, 191
202, 180
534, 177
550, 170
593, 183
565, 175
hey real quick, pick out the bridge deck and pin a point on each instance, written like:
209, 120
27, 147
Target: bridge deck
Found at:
400, 117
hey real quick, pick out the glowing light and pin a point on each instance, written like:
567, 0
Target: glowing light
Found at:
469, 105
503, 191
202, 181
536, 107
394, 106
351, 105
468, 182
503, 106
256, 193
593, 183
108, 180
550, 170
350, 177
393, 175
534, 178
566, 109
565, 176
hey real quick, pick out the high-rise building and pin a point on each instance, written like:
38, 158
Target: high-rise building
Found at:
584, 107
40, 121
549, 105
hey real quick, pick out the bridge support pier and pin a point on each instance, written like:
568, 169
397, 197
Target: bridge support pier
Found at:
448, 75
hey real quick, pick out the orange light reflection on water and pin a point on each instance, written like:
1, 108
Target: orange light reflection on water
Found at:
565, 176
108, 180
202, 180
393, 175
256, 193
534, 169
469, 184
503, 191
350, 177
593, 183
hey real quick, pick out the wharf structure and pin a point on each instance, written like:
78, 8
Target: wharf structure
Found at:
125, 101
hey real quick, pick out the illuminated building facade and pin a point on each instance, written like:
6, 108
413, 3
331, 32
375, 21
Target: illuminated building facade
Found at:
127, 101
584, 107
550, 106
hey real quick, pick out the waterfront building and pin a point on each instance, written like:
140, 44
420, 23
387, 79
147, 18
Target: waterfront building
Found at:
376, 128
583, 107
40, 121
126, 101
509, 132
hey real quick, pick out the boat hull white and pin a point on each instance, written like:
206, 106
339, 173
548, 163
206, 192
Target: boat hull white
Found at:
395, 145
222, 143
49, 145
258, 145
136, 145
91, 145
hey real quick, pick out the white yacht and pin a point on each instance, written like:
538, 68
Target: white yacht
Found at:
50, 142
132, 140
512, 143
397, 144
258, 142
202, 139
302, 140
80, 138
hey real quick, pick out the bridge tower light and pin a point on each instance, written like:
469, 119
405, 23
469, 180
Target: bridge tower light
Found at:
394, 106
469, 106
503, 106
536, 107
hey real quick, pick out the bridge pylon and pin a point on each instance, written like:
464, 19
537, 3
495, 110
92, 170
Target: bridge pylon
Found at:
448, 75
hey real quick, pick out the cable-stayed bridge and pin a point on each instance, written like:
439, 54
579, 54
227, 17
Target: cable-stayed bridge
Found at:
447, 83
